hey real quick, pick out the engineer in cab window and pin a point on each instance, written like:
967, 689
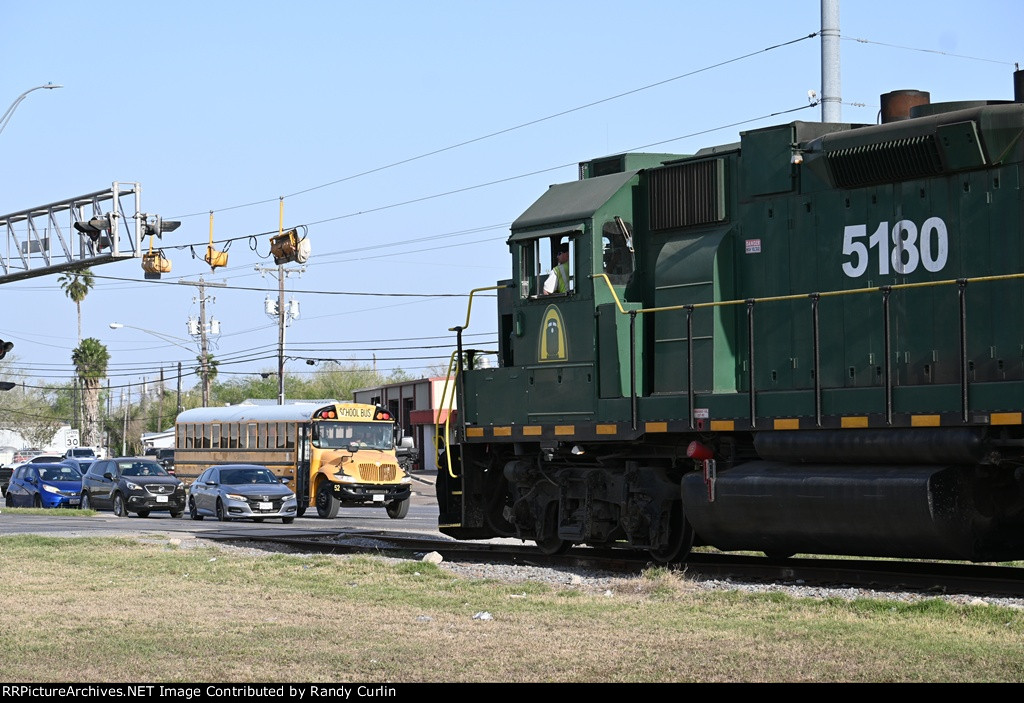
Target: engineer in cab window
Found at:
558, 280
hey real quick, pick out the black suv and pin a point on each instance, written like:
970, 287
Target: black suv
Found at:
132, 485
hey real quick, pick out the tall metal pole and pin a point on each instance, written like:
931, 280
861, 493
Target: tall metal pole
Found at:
204, 358
831, 98
281, 319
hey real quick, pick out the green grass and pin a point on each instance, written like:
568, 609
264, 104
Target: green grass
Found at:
87, 609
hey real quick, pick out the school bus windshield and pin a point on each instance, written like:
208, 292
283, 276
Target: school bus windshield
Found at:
339, 435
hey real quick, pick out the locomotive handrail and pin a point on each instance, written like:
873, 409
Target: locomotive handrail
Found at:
885, 290
469, 305
447, 417
805, 296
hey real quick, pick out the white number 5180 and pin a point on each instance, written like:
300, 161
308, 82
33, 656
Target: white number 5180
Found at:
931, 250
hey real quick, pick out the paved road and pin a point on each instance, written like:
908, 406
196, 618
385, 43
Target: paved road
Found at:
422, 518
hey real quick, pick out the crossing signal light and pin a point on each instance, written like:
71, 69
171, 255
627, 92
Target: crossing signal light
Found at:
5, 347
160, 225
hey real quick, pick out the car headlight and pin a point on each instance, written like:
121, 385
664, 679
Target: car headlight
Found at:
290, 496
234, 496
51, 489
132, 486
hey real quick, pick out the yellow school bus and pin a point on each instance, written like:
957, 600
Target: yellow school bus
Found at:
334, 455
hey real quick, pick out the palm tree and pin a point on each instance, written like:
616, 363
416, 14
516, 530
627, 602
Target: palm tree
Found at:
76, 285
90, 359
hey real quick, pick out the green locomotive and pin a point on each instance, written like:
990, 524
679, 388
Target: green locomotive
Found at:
808, 341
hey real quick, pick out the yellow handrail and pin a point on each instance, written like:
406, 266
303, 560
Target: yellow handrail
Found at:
448, 416
804, 296
469, 306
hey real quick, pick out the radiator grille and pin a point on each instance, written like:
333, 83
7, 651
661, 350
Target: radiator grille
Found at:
687, 195
372, 473
885, 162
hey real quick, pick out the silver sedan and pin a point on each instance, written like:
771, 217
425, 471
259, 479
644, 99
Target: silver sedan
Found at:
241, 491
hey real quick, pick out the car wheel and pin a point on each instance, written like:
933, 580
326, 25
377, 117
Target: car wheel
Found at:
120, 509
222, 513
326, 504
397, 509
84, 505
8, 501
287, 520
143, 513
193, 511
175, 513
37, 502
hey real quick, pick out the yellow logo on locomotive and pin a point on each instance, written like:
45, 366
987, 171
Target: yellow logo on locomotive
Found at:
552, 345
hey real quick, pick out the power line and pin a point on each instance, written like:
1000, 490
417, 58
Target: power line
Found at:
511, 129
926, 51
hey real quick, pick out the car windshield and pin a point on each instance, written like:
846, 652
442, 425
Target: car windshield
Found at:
140, 468
59, 473
235, 477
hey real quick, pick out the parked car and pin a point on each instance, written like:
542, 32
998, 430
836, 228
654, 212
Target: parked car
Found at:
42, 459
80, 463
132, 485
44, 486
81, 453
241, 491
166, 458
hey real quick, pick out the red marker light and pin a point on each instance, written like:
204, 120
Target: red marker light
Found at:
698, 451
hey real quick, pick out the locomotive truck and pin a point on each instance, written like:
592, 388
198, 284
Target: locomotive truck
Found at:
806, 341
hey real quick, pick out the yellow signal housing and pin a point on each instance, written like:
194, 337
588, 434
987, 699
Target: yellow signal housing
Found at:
284, 247
155, 263
214, 258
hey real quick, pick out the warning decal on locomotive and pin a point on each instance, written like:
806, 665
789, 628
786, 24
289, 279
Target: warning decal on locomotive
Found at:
552, 344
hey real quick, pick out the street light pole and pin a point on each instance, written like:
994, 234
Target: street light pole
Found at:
17, 101
166, 338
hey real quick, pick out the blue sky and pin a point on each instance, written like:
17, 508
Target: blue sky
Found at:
227, 106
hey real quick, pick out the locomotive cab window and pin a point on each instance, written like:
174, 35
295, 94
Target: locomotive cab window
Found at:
617, 251
547, 266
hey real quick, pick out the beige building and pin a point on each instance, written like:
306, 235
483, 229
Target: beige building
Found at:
419, 406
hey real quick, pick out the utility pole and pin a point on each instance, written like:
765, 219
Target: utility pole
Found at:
831, 98
200, 330
282, 313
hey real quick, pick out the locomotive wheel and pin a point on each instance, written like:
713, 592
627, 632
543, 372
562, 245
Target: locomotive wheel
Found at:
680, 538
551, 544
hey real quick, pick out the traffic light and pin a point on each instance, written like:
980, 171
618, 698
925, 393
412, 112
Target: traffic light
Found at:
287, 247
160, 225
5, 347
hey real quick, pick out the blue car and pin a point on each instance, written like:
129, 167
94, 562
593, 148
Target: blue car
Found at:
45, 486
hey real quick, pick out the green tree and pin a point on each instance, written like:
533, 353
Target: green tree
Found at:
26, 409
76, 285
90, 359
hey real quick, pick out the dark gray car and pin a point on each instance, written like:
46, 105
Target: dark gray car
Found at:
241, 491
132, 485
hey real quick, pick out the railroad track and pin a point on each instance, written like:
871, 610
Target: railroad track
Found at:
928, 577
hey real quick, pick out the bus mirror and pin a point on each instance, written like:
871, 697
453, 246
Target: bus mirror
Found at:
406, 443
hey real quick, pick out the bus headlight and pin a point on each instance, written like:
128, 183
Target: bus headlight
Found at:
344, 478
